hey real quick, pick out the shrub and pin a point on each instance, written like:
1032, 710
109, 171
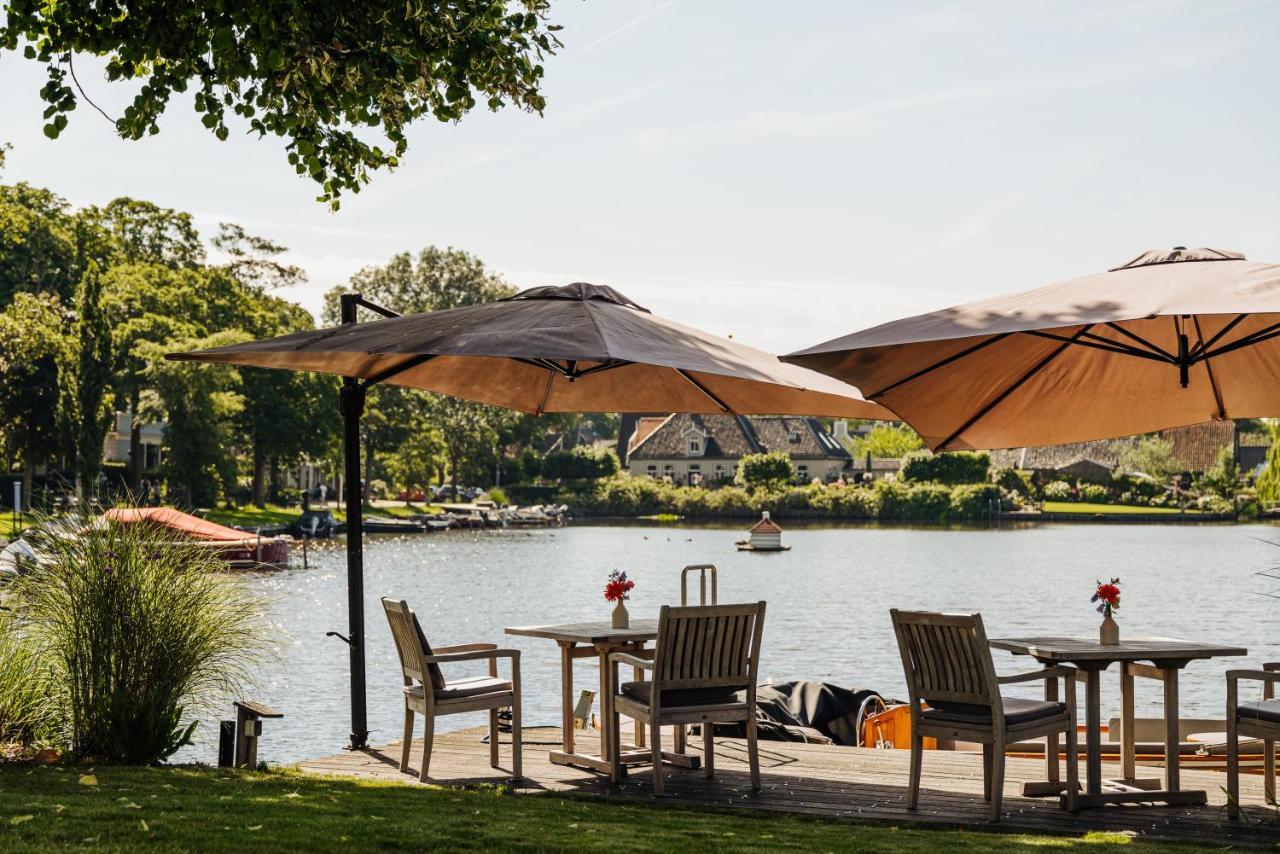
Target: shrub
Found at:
1210, 503
141, 634
971, 501
497, 496
1092, 493
28, 709
1058, 490
766, 471
886, 441
929, 502
1013, 480
950, 468
580, 464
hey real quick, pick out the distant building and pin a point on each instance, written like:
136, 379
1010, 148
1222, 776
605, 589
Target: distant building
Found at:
1195, 449
697, 449
116, 446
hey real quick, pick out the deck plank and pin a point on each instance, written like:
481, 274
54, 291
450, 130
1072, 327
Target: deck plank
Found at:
831, 782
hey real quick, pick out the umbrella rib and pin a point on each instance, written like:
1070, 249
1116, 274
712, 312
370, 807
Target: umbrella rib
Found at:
395, 370
1000, 398
1144, 342
1097, 343
1252, 338
1203, 345
1213, 381
700, 387
936, 365
546, 392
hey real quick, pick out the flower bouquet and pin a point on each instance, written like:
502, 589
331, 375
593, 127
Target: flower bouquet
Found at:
617, 589
1107, 595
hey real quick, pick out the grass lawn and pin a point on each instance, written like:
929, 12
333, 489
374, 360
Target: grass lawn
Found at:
202, 809
1085, 507
275, 514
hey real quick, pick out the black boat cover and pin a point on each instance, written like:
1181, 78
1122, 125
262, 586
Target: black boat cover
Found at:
793, 711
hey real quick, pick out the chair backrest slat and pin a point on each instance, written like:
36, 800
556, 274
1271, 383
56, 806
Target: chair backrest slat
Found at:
411, 644
946, 658
708, 646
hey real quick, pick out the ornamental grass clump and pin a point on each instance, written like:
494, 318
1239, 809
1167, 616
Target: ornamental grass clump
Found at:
141, 633
29, 713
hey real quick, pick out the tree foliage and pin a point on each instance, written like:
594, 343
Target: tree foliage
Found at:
766, 471
313, 72
1150, 455
437, 279
581, 463
886, 441
951, 468
35, 351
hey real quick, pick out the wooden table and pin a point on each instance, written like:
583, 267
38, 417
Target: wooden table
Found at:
597, 640
1167, 656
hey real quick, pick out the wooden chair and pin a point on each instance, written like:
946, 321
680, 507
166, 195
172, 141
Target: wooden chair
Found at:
703, 658
427, 693
1258, 720
948, 665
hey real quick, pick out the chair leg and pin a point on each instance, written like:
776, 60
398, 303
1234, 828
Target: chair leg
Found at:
1073, 768
1233, 766
493, 738
1269, 770
917, 757
997, 779
986, 772
709, 748
407, 742
613, 723
655, 734
517, 741
753, 753
428, 736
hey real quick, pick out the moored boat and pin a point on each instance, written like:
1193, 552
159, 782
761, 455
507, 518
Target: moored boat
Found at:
240, 549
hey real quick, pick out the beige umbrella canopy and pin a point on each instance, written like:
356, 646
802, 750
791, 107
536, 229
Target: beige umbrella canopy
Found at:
1173, 337
577, 348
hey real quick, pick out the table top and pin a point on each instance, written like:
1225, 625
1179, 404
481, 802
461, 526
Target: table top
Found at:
592, 632
1083, 650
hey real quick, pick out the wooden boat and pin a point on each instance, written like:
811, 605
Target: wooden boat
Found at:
240, 549
1204, 748
388, 525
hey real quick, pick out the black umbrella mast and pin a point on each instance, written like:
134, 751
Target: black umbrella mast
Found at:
354, 392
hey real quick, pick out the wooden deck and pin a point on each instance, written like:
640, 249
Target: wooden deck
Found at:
836, 782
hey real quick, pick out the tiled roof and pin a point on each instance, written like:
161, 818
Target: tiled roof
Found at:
766, 526
735, 436
1196, 448
644, 429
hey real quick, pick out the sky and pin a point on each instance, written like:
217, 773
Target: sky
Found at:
784, 173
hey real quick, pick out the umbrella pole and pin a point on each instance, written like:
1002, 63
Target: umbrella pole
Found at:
353, 397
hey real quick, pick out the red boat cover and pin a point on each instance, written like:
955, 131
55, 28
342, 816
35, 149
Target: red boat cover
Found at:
193, 526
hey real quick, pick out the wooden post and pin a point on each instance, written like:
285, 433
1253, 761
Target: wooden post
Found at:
1128, 748
566, 696
1171, 735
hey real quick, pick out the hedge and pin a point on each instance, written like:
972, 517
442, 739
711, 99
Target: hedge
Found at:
949, 468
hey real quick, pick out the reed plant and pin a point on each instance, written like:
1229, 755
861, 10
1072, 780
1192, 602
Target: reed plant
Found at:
140, 632
29, 712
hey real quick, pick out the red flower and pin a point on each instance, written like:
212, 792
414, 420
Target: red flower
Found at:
1109, 593
617, 589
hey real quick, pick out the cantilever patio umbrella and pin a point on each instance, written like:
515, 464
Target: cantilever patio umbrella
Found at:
577, 348
1173, 337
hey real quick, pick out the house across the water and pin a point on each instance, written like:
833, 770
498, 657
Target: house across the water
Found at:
695, 449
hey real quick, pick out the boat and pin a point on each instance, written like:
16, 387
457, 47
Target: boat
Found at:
763, 536
316, 524
240, 549
388, 525
434, 521
538, 514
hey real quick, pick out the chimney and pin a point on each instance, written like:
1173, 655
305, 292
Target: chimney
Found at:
840, 429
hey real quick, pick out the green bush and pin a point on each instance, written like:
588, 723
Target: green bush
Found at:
766, 471
1015, 481
973, 501
29, 715
1092, 493
497, 496
580, 464
913, 501
141, 634
948, 468
1058, 490
1210, 503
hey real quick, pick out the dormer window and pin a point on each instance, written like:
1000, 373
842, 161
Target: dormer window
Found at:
795, 437
695, 446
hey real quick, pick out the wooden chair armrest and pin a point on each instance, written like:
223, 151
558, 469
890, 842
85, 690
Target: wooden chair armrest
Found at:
463, 647
628, 658
1058, 671
1272, 676
478, 655
1271, 665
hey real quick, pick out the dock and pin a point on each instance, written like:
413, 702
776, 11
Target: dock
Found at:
830, 782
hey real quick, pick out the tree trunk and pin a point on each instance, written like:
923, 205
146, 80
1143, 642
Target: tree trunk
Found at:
259, 476
28, 476
135, 442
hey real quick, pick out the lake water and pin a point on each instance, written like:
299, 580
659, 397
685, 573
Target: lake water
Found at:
828, 599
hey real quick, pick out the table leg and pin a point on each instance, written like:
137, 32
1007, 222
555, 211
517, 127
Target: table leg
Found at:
566, 696
605, 687
1093, 730
1171, 776
1128, 746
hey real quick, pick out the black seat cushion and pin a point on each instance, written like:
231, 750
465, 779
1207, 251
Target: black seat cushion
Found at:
1015, 712
1264, 710
642, 691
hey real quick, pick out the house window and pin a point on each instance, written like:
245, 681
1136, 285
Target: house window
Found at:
802, 473
695, 446
652, 471
795, 437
